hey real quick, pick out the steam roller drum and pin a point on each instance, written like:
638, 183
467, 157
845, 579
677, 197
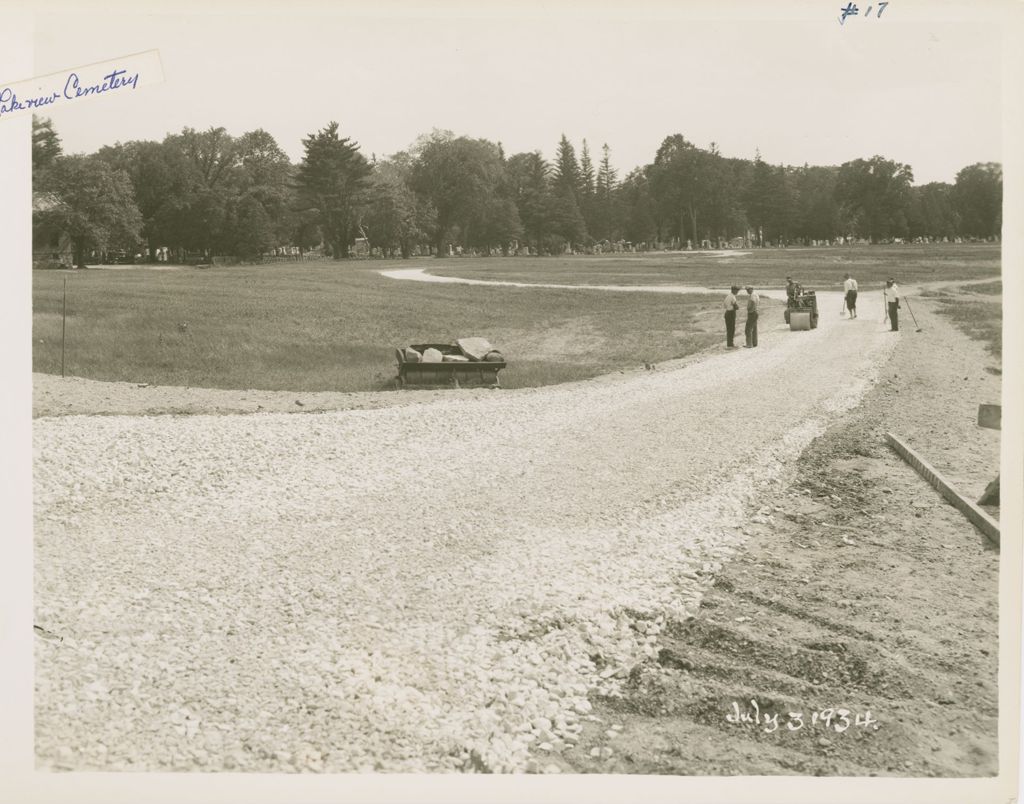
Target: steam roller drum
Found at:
799, 320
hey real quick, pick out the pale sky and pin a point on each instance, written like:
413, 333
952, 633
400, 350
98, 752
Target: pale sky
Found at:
812, 90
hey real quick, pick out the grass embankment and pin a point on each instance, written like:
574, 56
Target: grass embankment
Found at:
334, 326
815, 268
977, 310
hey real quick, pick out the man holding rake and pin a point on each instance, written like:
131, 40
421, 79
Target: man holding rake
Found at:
892, 304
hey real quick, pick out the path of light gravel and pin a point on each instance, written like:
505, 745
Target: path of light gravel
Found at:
435, 586
422, 275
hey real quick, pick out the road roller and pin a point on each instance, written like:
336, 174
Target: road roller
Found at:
802, 310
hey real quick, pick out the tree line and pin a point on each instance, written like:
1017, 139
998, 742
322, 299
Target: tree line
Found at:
210, 194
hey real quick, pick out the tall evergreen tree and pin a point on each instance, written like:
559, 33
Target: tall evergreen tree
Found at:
46, 147
566, 176
588, 182
607, 226
568, 192
588, 189
331, 180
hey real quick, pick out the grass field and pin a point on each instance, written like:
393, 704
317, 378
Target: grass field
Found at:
977, 311
987, 288
334, 326
815, 268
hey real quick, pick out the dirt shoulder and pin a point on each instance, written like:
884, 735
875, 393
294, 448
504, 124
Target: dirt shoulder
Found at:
77, 396
859, 588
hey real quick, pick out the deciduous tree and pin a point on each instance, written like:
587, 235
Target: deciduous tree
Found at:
93, 205
527, 178
458, 176
394, 217
873, 195
978, 194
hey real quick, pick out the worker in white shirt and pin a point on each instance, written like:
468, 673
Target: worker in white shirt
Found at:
731, 306
850, 286
892, 303
750, 328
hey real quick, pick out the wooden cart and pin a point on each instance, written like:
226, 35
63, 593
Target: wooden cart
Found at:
473, 373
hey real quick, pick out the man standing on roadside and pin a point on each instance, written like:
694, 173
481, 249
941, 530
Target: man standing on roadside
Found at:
731, 306
892, 303
750, 329
850, 286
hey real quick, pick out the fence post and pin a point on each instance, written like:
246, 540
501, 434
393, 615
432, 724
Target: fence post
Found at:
63, 325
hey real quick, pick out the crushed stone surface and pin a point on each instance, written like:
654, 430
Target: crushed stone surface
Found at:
436, 586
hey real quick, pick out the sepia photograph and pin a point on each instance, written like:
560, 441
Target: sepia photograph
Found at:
602, 399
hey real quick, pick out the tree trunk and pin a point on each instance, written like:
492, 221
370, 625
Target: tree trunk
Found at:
79, 253
693, 223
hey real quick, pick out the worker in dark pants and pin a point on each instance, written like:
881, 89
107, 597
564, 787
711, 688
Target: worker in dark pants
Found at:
892, 303
750, 329
731, 306
850, 290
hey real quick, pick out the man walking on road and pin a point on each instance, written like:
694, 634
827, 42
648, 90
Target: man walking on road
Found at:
850, 286
731, 306
892, 303
750, 329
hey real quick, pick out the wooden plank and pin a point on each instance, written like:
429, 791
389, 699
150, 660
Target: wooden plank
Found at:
981, 520
990, 416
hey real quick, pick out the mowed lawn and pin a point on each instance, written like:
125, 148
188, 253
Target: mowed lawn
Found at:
334, 326
814, 268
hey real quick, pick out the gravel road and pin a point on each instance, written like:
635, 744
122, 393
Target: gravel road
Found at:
435, 586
